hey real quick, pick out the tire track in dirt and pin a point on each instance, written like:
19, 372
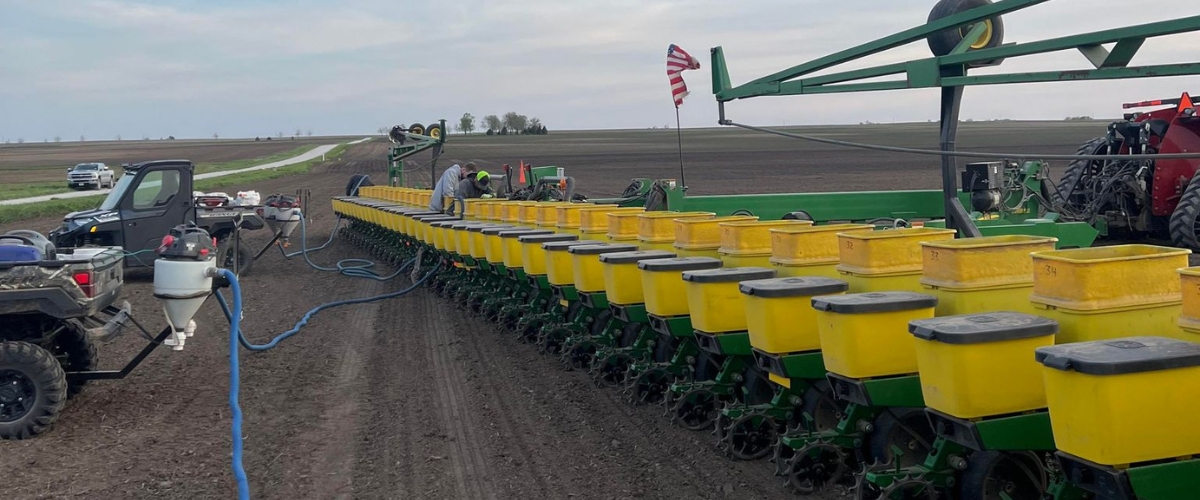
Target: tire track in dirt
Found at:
470, 466
514, 429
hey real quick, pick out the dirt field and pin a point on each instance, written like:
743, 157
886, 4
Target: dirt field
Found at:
21, 163
410, 399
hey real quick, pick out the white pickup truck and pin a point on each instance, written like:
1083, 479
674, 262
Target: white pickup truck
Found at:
91, 175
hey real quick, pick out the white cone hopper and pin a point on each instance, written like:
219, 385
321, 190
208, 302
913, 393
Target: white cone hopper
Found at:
182, 286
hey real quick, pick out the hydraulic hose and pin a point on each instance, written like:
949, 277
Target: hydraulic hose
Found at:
236, 338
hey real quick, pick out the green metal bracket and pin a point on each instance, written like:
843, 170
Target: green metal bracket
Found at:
1017, 433
399, 151
808, 365
903, 392
1169, 481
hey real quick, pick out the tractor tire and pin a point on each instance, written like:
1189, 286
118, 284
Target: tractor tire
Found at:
357, 181
1067, 193
434, 131
942, 43
33, 390
1016, 474
76, 353
225, 255
1185, 220
416, 128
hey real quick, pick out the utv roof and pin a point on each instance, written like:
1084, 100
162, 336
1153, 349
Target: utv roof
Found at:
158, 163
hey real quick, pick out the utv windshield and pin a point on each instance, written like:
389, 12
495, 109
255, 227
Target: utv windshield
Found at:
114, 197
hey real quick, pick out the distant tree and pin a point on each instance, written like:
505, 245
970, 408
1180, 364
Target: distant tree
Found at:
466, 124
298, 133
145, 137
118, 137
514, 121
216, 135
170, 137
45, 141
280, 135
544, 131
381, 130
82, 138
489, 132
493, 122
20, 140
503, 131
308, 133
57, 139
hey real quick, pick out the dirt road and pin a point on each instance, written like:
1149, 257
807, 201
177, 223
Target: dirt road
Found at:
401, 399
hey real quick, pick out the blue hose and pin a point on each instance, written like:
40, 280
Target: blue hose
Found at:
237, 338
355, 268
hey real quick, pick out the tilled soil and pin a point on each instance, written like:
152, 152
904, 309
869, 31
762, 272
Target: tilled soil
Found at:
406, 398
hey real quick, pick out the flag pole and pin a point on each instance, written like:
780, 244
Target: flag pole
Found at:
679, 139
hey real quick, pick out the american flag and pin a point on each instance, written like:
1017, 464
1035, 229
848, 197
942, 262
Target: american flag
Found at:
677, 62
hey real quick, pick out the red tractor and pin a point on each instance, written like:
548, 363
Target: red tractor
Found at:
1140, 197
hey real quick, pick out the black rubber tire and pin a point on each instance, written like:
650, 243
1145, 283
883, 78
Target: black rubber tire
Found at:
888, 428
48, 382
351, 190
75, 352
245, 256
629, 334
978, 478
943, 42
416, 128
434, 130
1185, 220
1073, 176
824, 408
600, 322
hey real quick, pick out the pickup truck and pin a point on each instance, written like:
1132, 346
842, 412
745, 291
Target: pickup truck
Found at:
91, 175
52, 308
150, 199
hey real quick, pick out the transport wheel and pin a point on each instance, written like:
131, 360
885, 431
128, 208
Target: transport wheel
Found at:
33, 389
226, 258
359, 181
942, 43
434, 131
817, 466
75, 352
416, 128
906, 429
995, 475
1185, 220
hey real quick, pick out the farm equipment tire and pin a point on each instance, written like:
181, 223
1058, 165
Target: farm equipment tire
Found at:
942, 43
434, 131
822, 407
226, 257
1185, 220
1068, 193
905, 428
990, 473
75, 352
357, 181
33, 389
416, 128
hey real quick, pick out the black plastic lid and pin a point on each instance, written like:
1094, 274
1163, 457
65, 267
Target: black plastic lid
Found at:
565, 245
982, 328
421, 213
518, 232
631, 257
873, 302
444, 223
1121, 356
728, 274
545, 238
433, 217
480, 227
464, 225
601, 249
680, 264
494, 230
775, 288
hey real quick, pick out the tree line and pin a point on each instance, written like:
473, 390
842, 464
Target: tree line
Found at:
511, 123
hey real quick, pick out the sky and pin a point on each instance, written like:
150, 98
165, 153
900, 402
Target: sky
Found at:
192, 68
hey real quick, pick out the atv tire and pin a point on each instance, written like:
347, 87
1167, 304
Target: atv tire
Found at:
1069, 188
33, 390
1185, 220
944, 42
76, 353
225, 256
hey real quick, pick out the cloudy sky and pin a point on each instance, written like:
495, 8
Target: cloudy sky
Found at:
243, 68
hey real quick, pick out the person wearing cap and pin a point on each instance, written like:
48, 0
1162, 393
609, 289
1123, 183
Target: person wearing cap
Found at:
448, 183
477, 185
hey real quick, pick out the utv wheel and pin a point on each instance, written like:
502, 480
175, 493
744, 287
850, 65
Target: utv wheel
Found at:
226, 256
942, 43
75, 352
1185, 220
33, 389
